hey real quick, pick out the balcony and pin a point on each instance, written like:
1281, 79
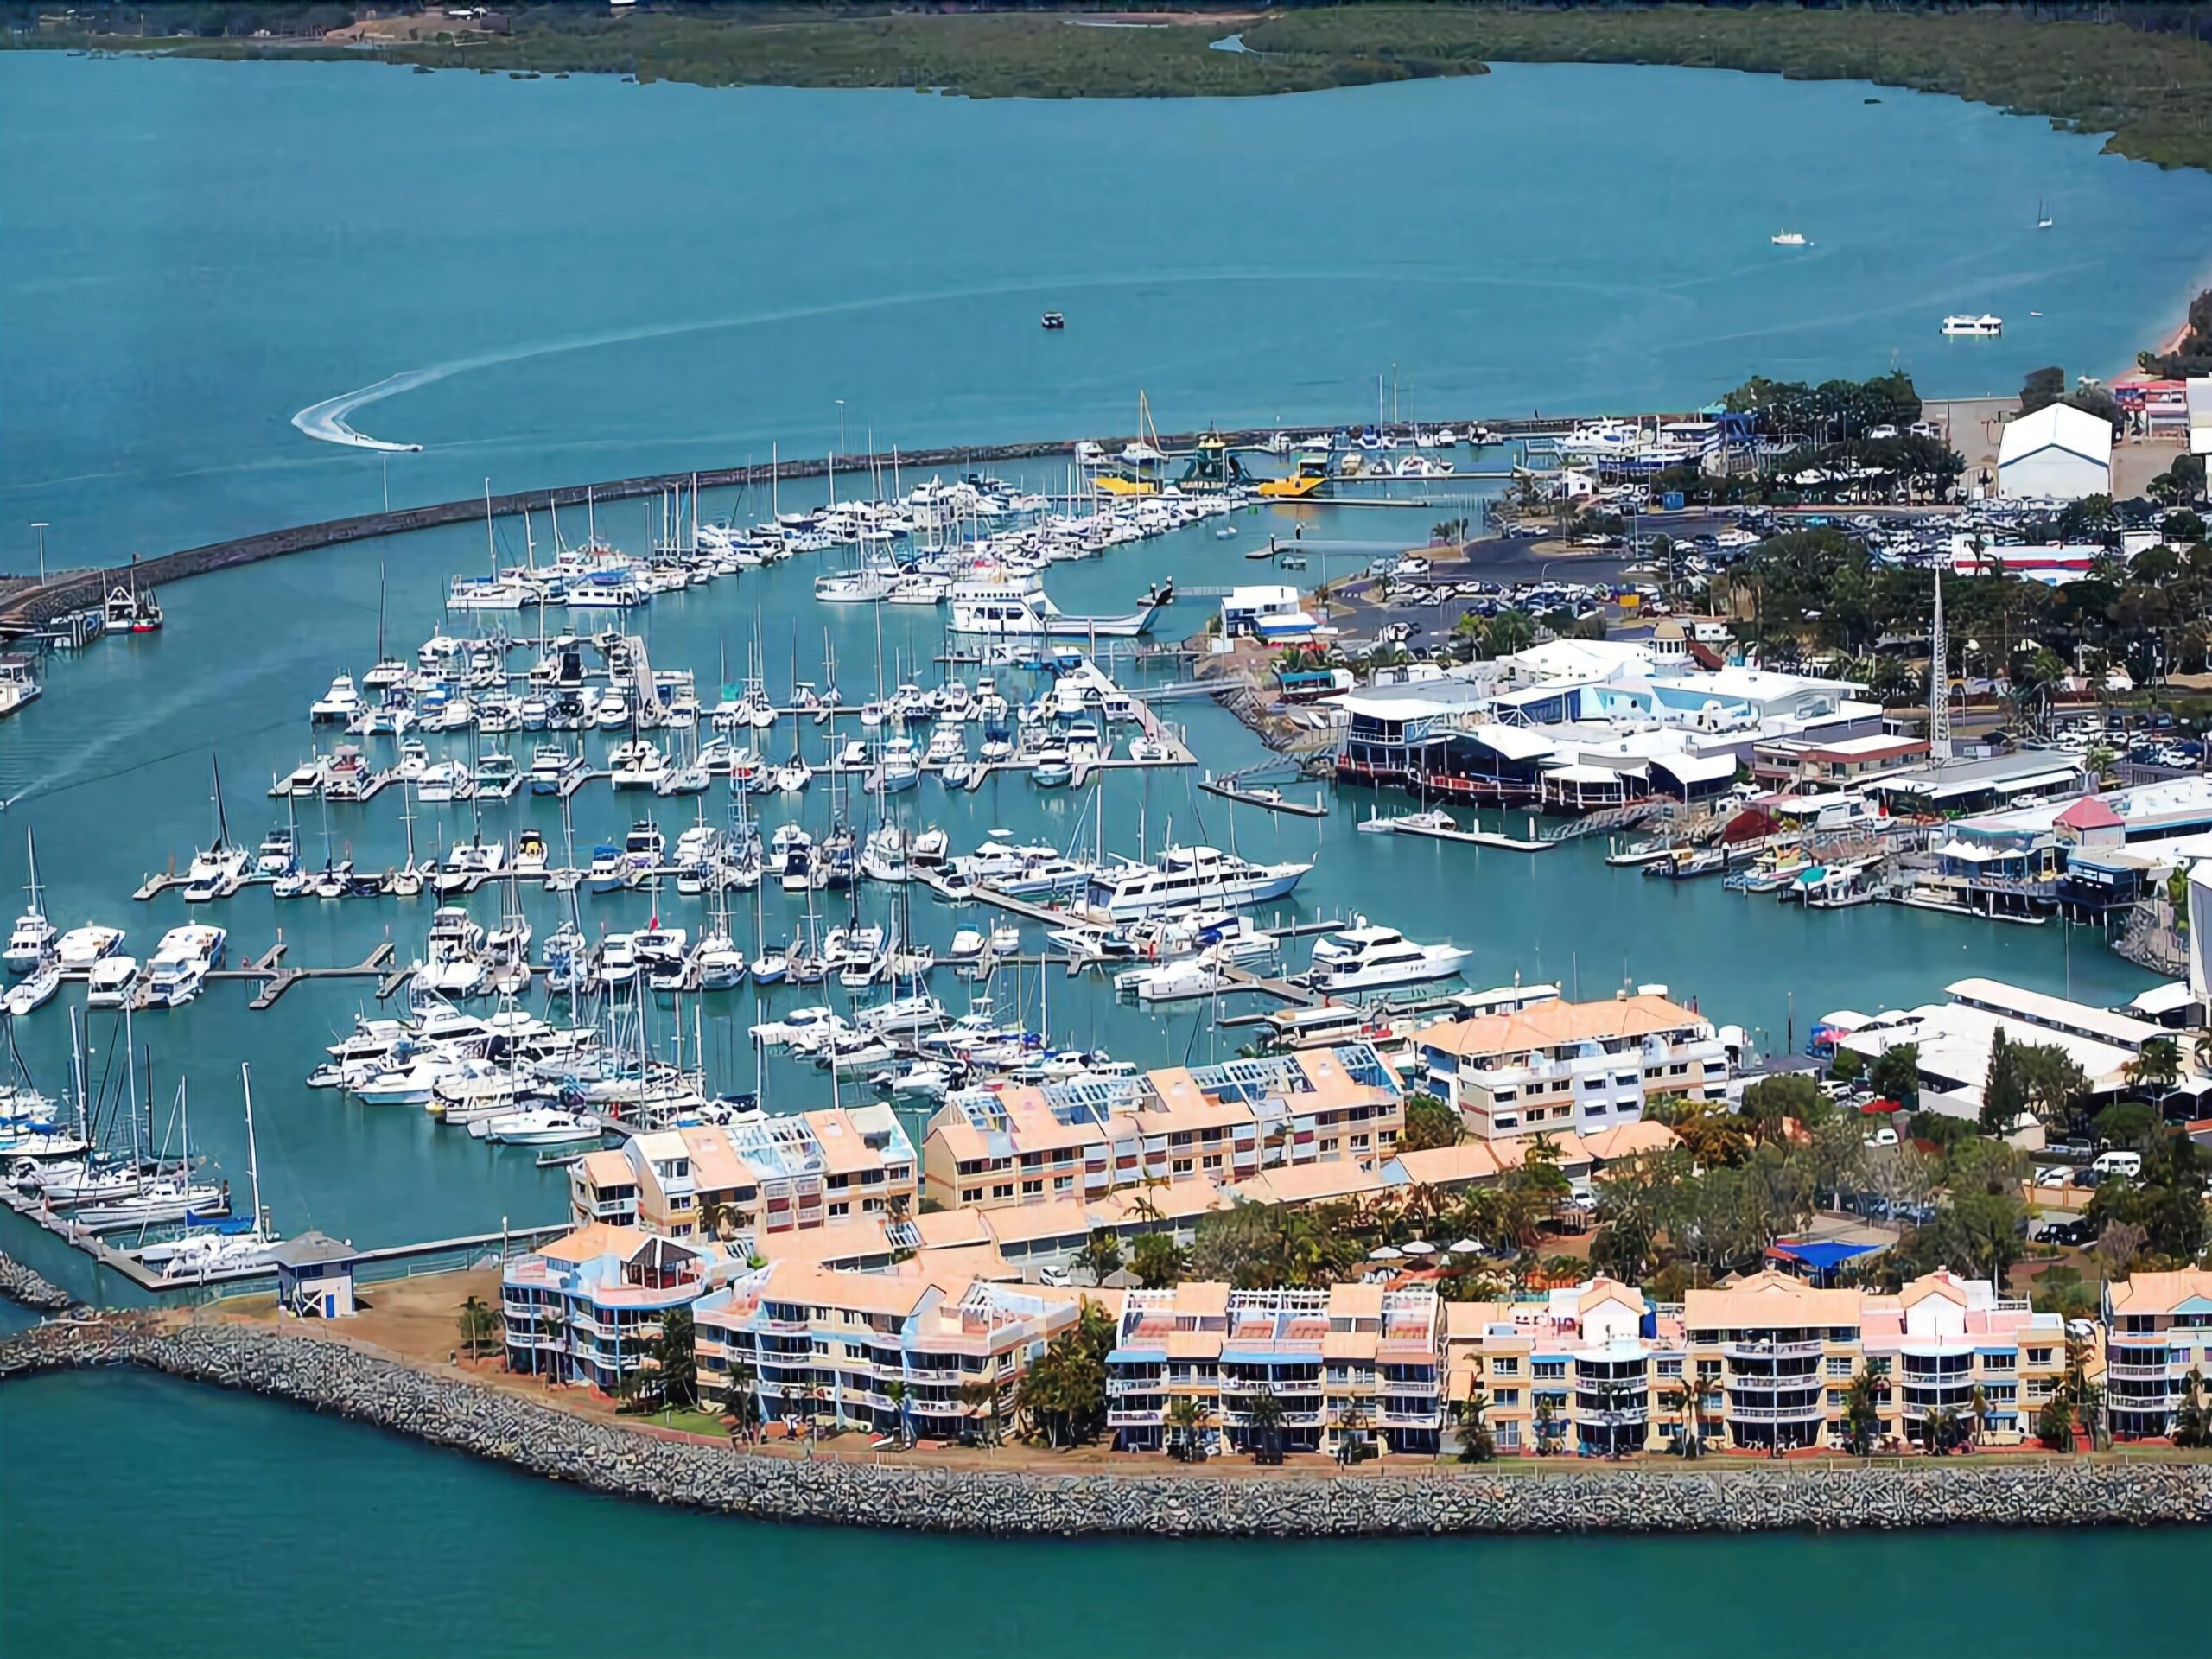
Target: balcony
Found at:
1807, 1413
1768, 1383
1409, 1418
2148, 1373
1772, 1349
1131, 1419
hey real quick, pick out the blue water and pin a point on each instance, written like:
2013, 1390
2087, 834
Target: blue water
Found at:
578, 279
173, 1534
611, 278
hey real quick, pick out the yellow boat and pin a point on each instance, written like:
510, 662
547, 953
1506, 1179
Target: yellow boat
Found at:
1124, 483
1311, 479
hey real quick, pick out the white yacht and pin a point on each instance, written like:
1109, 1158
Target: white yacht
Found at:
1986, 326
1791, 239
1186, 877
111, 981
338, 705
82, 949
181, 963
1369, 958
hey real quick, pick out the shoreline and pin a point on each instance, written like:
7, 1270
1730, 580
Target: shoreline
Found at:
498, 1426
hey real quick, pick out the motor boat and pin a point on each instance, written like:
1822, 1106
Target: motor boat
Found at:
1371, 958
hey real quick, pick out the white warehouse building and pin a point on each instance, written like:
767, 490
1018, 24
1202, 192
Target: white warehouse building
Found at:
2059, 454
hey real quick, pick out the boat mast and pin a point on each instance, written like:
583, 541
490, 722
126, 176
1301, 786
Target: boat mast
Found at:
252, 1149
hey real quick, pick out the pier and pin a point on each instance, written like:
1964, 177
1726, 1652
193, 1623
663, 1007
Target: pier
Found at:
38, 605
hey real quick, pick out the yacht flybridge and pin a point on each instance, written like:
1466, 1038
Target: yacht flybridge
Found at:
1184, 877
1370, 958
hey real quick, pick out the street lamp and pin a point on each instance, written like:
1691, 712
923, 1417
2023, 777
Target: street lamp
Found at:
40, 526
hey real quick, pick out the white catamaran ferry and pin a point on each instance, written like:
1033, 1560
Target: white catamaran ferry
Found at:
1184, 878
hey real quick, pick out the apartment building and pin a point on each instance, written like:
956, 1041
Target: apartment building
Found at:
1584, 1067
1781, 1354
1580, 1158
587, 1308
1225, 1124
2158, 1329
758, 1176
816, 1344
1589, 1367
1348, 1366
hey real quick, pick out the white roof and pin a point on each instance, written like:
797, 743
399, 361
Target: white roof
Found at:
1696, 769
2199, 392
1514, 742
1578, 774
2058, 1013
2167, 998
2057, 426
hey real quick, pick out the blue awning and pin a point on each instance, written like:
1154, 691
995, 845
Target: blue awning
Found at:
1137, 1356
1821, 1257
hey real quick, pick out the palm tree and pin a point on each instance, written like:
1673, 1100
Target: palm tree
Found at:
1978, 1405
1101, 1255
2192, 1422
555, 1316
1187, 1418
1546, 1425
741, 1398
477, 1322
1263, 1413
1861, 1414
979, 1399
894, 1390
1477, 1444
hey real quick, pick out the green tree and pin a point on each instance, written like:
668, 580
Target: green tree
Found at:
1101, 1255
1894, 1074
1477, 1444
979, 1405
1157, 1261
2156, 1067
1263, 1415
1429, 1122
2192, 1422
2004, 1095
1862, 1412
2055, 1424
1792, 1094
2052, 1081
741, 1399
674, 1377
479, 1326
1186, 1417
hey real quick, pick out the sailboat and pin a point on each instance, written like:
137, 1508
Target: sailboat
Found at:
216, 872
222, 1247
2043, 215
32, 943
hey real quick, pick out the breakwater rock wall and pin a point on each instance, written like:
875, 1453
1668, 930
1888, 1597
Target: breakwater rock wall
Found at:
490, 1423
19, 1284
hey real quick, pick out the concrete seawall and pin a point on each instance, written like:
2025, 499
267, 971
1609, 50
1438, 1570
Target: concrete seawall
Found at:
489, 1423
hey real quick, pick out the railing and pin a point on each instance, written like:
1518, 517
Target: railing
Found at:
1127, 1419
1770, 1350
1769, 1384
2151, 1373
1777, 1413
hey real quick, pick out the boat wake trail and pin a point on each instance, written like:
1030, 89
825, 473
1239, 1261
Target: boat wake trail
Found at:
326, 420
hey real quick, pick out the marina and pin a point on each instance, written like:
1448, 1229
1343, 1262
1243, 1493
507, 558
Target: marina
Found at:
498, 930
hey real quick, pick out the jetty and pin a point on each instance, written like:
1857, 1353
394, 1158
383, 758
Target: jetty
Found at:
36, 606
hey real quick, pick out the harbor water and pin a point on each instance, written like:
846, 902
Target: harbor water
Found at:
423, 1552
582, 279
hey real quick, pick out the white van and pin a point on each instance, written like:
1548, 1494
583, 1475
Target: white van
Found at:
2116, 1162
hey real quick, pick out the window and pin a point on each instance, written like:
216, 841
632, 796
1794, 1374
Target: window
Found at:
1549, 1368
2000, 1362
1838, 1366
1505, 1366
1508, 1436
1003, 1190
1670, 1368
2039, 1355
1506, 1397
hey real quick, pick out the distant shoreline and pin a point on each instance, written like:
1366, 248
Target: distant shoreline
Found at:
2151, 94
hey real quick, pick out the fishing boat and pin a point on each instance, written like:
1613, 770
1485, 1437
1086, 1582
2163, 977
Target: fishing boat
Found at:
1790, 239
